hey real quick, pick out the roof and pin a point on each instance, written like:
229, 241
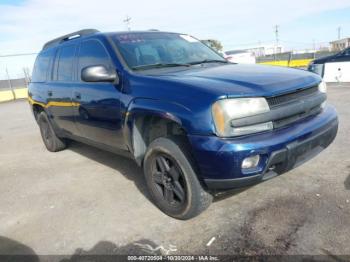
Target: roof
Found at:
87, 32
341, 40
70, 36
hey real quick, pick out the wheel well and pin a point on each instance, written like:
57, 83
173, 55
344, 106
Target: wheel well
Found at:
37, 109
148, 128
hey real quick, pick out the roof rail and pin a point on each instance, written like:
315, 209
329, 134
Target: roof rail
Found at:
67, 37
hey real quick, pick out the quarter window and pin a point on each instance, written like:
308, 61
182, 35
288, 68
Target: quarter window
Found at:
41, 66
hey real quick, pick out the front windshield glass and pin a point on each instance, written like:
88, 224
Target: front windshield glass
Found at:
154, 49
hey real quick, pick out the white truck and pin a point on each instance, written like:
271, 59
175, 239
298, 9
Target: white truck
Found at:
335, 68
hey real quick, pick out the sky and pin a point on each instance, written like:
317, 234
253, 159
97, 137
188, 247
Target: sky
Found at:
25, 25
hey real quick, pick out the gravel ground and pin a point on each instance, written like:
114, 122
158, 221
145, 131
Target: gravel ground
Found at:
87, 201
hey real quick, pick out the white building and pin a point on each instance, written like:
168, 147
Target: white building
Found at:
340, 44
265, 50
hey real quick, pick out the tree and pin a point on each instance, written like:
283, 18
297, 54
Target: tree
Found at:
215, 44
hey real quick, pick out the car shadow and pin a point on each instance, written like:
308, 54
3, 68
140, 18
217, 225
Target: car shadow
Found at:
127, 167
106, 251
222, 195
13, 251
103, 251
347, 183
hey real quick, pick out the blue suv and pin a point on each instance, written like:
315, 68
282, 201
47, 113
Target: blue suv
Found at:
195, 122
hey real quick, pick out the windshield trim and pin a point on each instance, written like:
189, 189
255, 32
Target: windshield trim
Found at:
158, 65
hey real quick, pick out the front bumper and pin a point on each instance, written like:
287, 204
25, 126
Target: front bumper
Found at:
219, 160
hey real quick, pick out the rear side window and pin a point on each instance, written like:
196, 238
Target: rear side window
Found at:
64, 63
92, 52
41, 67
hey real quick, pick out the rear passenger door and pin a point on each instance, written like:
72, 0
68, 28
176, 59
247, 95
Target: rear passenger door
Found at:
98, 115
60, 89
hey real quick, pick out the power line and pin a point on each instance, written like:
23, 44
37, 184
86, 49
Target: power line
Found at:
24, 54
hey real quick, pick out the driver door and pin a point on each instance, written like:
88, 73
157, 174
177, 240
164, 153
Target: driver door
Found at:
97, 111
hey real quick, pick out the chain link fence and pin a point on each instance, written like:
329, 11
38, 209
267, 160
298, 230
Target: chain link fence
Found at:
292, 59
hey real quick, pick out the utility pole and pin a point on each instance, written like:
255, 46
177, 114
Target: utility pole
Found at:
26, 76
10, 84
276, 37
339, 32
127, 22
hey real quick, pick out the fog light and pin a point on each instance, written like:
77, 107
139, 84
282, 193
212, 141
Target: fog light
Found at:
250, 162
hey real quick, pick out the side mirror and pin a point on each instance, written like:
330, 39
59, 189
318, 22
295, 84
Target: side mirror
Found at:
98, 73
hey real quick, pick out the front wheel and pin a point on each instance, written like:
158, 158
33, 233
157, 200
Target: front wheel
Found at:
171, 179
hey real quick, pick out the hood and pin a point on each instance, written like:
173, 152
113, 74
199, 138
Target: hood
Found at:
239, 80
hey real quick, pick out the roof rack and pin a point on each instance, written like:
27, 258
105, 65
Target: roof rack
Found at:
70, 36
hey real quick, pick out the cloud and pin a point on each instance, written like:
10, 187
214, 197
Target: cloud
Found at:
27, 26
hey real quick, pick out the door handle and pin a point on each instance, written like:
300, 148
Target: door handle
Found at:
77, 95
49, 93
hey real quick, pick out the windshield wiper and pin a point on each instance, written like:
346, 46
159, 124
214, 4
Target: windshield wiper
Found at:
208, 61
158, 65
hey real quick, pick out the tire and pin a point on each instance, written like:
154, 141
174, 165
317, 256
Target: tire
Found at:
172, 181
50, 139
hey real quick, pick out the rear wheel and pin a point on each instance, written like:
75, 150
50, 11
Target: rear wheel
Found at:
171, 179
51, 141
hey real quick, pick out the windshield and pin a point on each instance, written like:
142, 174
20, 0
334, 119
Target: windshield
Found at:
154, 49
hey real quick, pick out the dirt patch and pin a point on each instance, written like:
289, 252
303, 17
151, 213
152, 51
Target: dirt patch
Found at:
271, 229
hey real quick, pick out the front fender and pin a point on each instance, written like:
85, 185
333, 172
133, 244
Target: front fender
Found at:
151, 107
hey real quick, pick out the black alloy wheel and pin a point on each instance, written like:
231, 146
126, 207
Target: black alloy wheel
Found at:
169, 180
172, 180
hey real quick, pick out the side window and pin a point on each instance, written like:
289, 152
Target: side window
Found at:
41, 67
64, 64
91, 53
347, 52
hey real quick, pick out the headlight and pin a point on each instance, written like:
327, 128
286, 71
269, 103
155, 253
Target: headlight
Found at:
226, 110
322, 87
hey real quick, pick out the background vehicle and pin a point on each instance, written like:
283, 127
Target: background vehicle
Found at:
240, 57
335, 68
193, 121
